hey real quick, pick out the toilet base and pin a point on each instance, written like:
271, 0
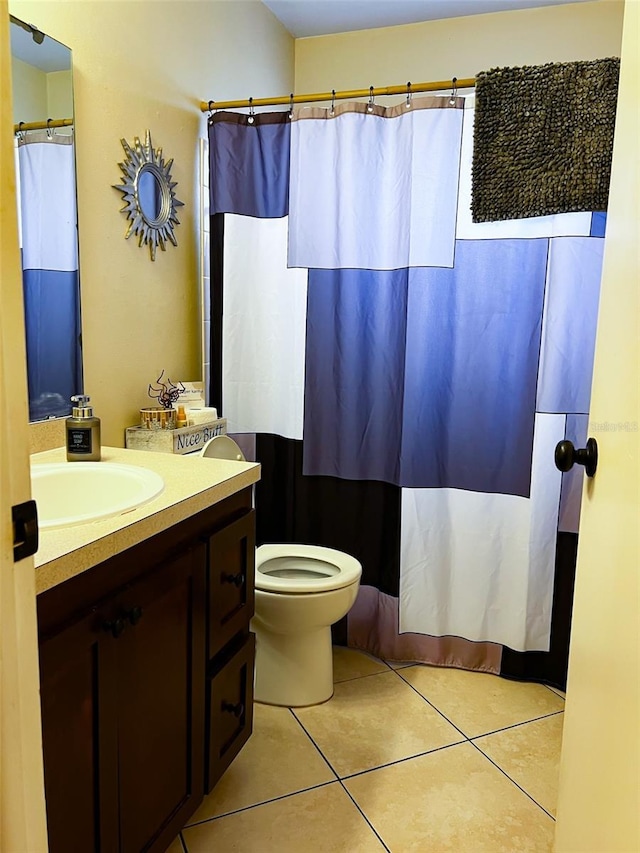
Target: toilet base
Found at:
293, 670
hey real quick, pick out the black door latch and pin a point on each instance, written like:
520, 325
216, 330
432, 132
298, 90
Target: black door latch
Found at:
25, 530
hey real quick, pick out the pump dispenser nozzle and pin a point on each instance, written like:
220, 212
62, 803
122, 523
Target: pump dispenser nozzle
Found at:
82, 409
83, 432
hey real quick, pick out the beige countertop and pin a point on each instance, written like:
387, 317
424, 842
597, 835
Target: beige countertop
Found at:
191, 484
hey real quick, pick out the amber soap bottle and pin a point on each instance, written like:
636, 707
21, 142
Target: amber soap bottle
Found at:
82, 432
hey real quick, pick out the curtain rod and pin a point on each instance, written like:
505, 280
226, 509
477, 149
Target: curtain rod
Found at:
43, 125
287, 100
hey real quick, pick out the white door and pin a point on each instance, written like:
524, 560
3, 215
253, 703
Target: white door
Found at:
22, 809
599, 799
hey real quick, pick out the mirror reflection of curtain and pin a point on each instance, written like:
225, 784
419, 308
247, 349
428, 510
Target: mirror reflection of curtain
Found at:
405, 375
48, 239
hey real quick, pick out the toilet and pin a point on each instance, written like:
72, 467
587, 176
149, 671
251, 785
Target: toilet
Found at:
300, 592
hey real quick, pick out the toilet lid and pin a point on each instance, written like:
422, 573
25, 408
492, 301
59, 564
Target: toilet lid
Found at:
296, 569
223, 447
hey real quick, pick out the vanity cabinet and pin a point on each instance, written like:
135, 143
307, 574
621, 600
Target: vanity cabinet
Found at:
146, 667
230, 647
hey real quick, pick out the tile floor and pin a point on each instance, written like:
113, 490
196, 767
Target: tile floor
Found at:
403, 758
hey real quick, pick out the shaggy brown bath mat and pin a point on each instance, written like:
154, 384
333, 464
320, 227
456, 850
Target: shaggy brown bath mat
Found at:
543, 139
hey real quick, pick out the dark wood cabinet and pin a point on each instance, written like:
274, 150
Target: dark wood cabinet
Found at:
78, 700
229, 709
231, 581
160, 691
144, 704
230, 646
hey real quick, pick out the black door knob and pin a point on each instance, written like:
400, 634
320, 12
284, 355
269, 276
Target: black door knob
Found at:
566, 456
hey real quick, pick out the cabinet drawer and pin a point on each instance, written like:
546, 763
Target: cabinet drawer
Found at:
231, 581
229, 711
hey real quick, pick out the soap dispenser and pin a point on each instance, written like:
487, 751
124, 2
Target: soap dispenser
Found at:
83, 432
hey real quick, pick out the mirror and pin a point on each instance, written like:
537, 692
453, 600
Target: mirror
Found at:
47, 218
148, 194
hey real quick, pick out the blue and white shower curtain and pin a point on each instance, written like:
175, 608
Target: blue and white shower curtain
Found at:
48, 240
404, 374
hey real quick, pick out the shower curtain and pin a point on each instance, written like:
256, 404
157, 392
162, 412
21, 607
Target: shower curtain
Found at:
48, 240
403, 374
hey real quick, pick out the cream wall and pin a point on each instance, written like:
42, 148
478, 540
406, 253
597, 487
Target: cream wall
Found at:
460, 47
29, 89
60, 94
139, 65
37, 95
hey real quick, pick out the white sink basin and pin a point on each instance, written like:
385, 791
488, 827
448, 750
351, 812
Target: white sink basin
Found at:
69, 493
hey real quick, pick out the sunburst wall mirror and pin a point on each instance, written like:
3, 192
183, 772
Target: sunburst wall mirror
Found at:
148, 194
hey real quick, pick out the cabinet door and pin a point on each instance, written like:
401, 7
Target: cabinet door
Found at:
232, 562
77, 691
229, 710
160, 682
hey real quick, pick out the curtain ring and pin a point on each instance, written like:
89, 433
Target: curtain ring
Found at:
20, 133
291, 105
370, 104
454, 92
251, 111
333, 102
409, 96
211, 106
49, 130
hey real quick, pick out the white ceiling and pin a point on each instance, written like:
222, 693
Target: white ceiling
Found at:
323, 17
50, 55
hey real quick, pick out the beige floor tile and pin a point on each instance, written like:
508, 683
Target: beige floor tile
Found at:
451, 800
479, 703
558, 691
350, 663
399, 664
323, 820
278, 759
373, 721
176, 847
530, 755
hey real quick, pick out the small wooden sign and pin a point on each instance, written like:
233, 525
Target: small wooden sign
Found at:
184, 440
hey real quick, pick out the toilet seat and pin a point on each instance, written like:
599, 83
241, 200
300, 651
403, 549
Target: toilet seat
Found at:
292, 569
222, 447
299, 569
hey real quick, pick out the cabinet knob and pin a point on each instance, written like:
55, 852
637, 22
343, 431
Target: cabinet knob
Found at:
238, 579
237, 710
115, 627
134, 615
